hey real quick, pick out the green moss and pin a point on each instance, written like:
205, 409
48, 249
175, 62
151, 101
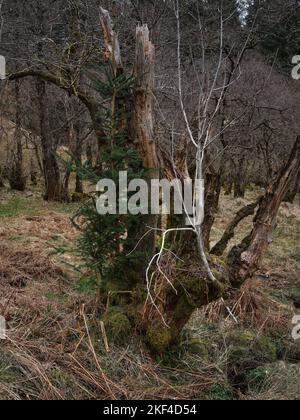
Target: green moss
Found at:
194, 290
159, 338
200, 347
248, 351
199, 291
267, 349
246, 345
62, 378
219, 392
245, 337
117, 325
56, 297
218, 263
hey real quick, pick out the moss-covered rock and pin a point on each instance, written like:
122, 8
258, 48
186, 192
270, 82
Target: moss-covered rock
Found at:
158, 338
196, 342
246, 344
248, 351
117, 325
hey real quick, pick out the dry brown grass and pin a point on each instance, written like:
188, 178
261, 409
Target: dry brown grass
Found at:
253, 307
55, 349
19, 266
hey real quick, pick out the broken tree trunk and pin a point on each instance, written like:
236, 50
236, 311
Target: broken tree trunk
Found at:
143, 99
244, 259
174, 292
112, 46
143, 124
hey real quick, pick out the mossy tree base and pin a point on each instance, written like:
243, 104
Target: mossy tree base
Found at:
129, 311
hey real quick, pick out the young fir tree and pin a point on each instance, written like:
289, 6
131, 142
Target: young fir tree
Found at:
104, 238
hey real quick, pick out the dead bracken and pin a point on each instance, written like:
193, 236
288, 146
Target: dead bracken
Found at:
19, 265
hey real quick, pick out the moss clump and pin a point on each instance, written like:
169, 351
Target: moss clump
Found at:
198, 291
219, 264
196, 342
247, 345
158, 338
200, 347
117, 325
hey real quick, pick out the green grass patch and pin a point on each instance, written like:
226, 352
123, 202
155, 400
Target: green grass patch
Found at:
15, 238
56, 297
18, 207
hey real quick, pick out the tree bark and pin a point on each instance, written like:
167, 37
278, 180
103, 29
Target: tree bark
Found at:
212, 198
78, 159
53, 187
17, 179
245, 258
221, 246
143, 126
1, 178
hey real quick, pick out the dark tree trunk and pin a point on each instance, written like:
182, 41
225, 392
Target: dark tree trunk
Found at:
1, 178
293, 191
212, 198
16, 176
239, 189
33, 171
240, 180
53, 187
228, 186
78, 159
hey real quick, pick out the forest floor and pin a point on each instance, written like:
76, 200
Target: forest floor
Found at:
56, 349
